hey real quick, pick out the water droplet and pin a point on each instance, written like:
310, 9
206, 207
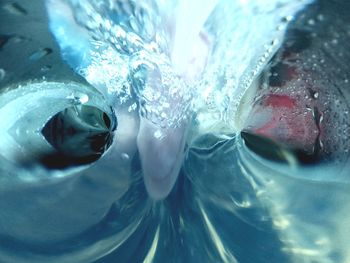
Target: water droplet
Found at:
15, 9
280, 27
46, 68
84, 99
320, 17
311, 22
78, 99
335, 41
132, 107
158, 134
125, 156
2, 74
39, 54
287, 19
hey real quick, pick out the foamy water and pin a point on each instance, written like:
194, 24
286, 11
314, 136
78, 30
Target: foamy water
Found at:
249, 90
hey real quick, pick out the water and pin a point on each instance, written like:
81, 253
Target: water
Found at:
158, 54
40, 54
139, 133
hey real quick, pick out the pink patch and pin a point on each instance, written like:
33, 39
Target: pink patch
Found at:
275, 100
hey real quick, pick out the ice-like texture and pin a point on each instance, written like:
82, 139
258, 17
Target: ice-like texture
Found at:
216, 137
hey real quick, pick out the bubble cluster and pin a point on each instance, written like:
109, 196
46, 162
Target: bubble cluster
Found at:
131, 45
130, 59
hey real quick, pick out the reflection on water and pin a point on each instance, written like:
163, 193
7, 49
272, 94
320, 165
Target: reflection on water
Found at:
136, 131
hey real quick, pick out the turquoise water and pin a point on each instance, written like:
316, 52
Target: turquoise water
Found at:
160, 131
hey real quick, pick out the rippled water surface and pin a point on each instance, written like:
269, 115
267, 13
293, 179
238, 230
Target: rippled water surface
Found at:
174, 131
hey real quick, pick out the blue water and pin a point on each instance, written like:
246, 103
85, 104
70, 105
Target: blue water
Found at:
258, 179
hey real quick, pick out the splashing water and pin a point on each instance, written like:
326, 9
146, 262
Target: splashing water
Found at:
158, 45
135, 37
211, 88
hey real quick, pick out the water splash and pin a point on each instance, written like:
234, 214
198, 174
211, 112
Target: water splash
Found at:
149, 34
233, 65
252, 196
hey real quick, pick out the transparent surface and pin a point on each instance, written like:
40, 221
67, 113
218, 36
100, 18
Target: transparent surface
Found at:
174, 131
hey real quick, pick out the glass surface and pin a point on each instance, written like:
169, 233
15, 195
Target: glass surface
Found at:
174, 131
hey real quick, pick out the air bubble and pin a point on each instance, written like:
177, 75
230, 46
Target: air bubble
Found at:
320, 17
78, 99
287, 19
132, 107
125, 156
46, 68
158, 134
311, 22
141, 72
